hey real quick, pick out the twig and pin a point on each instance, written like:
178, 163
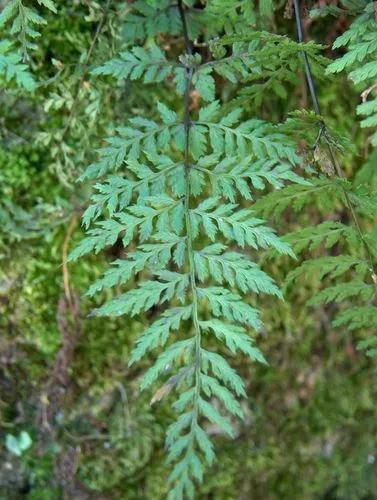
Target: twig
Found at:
67, 289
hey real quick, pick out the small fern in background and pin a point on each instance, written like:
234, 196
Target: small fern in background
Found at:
349, 260
361, 64
357, 295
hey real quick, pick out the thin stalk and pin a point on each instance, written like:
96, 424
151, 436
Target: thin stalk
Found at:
188, 44
97, 33
332, 155
190, 251
308, 71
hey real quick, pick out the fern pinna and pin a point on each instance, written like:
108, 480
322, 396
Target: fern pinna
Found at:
177, 187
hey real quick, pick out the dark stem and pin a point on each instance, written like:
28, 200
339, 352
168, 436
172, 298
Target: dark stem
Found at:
188, 44
308, 72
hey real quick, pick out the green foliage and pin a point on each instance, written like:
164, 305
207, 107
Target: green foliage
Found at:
359, 264
151, 64
186, 187
25, 22
11, 67
237, 16
361, 41
148, 19
360, 62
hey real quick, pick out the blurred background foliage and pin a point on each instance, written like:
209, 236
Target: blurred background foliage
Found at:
73, 423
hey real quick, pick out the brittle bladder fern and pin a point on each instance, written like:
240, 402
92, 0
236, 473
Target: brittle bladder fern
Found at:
176, 185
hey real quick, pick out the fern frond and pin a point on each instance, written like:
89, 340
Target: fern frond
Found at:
234, 17
234, 336
323, 191
179, 187
360, 61
116, 192
369, 345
